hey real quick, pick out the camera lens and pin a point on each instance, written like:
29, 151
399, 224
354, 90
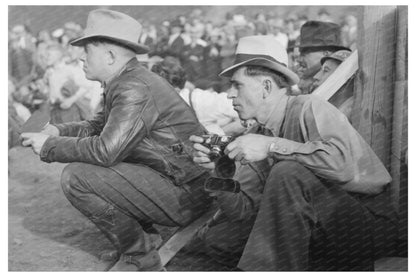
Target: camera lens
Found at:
215, 153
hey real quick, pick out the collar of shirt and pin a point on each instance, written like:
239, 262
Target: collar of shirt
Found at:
131, 63
277, 115
172, 38
184, 93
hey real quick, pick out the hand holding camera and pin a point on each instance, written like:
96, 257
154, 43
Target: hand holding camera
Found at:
211, 152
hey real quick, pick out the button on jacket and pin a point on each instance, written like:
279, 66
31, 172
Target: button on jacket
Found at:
143, 121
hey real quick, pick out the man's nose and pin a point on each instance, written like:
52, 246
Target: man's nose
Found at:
231, 93
82, 57
317, 76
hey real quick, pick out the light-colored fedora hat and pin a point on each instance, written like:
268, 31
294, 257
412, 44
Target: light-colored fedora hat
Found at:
263, 51
114, 26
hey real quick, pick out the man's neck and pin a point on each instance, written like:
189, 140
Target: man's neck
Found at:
114, 72
275, 100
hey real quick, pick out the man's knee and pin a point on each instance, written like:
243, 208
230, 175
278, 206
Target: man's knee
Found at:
290, 174
71, 177
288, 169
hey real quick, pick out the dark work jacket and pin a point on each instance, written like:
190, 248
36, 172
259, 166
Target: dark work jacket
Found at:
143, 121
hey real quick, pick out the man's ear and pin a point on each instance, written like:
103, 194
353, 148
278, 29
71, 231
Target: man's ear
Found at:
111, 56
267, 87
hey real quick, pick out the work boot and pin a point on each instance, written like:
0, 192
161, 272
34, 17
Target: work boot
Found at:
139, 262
122, 230
114, 255
133, 245
141, 256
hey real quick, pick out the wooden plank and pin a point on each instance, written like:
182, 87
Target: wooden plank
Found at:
338, 78
374, 87
181, 237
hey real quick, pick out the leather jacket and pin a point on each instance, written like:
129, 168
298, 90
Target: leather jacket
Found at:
143, 120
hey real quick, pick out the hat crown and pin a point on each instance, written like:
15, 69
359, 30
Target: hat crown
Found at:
113, 24
341, 55
320, 34
263, 45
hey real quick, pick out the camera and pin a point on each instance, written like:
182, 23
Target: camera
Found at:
216, 144
224, 166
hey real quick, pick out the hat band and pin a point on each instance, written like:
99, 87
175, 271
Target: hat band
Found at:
239, 58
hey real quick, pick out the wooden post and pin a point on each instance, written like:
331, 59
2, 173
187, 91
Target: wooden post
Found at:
399, 136
374, 87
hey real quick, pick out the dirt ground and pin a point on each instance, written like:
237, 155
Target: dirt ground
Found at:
47, 234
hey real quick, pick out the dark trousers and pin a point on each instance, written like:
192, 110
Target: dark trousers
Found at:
126, 199
304, 223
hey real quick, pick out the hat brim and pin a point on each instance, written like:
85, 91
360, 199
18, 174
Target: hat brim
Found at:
136, 47
324, 59
335, 47
290, 75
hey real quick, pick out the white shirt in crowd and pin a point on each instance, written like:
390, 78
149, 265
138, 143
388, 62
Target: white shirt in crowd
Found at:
214, 110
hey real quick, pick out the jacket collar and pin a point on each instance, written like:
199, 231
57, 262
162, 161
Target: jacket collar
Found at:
276, 118
130, 65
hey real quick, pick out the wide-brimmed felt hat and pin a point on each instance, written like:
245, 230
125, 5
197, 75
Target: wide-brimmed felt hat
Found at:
263, 51
340, 56
319, 34
113, 26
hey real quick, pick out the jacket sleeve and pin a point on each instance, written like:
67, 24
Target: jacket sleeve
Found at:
123, 130
85, 128
326, 149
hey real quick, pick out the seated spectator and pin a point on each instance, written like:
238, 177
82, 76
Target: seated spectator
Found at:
21, 50
212, 60
213, 110
176, 42
67, 87
193, 57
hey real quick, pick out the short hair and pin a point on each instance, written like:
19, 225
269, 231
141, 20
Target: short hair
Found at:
256, 70
100, 40
171, 70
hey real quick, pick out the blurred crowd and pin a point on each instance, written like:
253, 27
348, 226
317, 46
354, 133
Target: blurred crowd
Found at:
45, 68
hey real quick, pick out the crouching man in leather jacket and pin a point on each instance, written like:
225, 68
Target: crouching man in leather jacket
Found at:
130, 166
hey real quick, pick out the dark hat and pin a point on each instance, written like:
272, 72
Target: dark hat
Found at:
263, 51
319, 34
114, 26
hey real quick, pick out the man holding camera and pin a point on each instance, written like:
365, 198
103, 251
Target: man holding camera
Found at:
309, 206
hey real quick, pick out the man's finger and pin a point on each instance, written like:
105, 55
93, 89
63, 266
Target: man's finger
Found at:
202, 160
201, 148
27, 142
240, 156
232, 154
230, 147
197, 139
200, 154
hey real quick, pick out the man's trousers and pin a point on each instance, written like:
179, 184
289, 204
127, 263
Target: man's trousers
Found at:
126, 199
